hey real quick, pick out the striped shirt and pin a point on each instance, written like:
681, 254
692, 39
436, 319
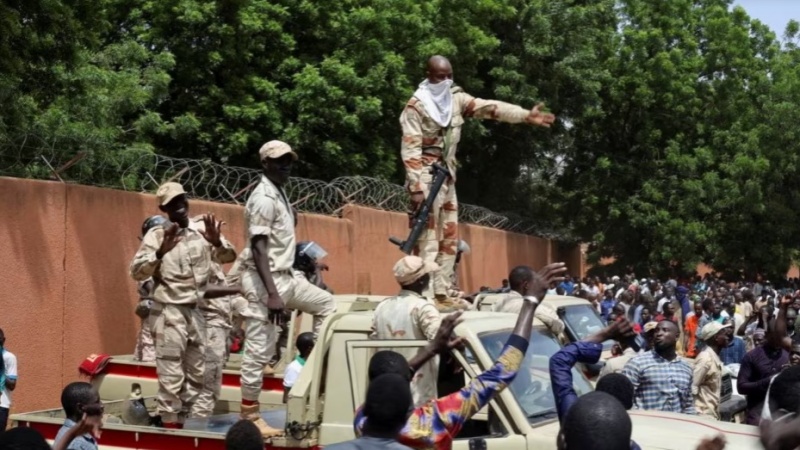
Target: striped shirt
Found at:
659, 384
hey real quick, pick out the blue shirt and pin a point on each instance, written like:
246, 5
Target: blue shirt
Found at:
734, 352
606, 306
567, 286
85, 442
561, 374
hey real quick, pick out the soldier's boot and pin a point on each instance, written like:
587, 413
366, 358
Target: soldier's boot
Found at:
253, 414
449, 304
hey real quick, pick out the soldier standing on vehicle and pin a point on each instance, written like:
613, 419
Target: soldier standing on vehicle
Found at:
431, 123
145, 350
409, 315
179, 259
269, 283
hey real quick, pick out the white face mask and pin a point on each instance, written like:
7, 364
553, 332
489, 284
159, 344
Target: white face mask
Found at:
437, 100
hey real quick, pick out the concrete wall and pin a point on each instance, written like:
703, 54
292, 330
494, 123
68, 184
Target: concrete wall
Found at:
65, 250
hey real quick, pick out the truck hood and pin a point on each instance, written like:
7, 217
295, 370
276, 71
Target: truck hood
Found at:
655, 430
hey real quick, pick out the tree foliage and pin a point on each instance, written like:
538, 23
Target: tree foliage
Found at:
676, 142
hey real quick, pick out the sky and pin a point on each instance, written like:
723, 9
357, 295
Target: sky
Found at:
774, 13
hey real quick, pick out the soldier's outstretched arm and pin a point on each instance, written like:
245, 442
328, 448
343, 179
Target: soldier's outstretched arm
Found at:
502, 111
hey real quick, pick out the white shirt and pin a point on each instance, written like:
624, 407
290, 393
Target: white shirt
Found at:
11, 374
291, 373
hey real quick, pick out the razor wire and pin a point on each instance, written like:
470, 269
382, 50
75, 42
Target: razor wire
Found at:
140, 170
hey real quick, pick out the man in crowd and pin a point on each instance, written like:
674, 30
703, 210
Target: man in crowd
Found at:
617, 363
145, 350
431, 123
596, 421
607, 304
513, 302
385, 414
707, 372
409, 315
8, 380
435, 424
304, 344
662, 381
729, 312
79, 399
690, 330
756, 371
269, 283
178, 258
734, 352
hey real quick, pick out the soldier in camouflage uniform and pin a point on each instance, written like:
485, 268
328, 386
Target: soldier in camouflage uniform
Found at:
409, 315
145, 350
431, 122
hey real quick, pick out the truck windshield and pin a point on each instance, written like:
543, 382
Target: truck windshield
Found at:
531, 387
583, 320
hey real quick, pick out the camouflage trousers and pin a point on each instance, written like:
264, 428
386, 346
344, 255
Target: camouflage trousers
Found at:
216, 357
145, 350
180, 332
439, 241
261, 336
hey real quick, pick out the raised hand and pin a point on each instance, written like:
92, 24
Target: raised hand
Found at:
619, 330
541, 281
538, 118
212, 231
444, 339
171, 239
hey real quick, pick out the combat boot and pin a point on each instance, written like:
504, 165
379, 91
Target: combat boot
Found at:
253, 414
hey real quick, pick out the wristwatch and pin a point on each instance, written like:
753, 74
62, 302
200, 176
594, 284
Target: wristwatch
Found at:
532, 299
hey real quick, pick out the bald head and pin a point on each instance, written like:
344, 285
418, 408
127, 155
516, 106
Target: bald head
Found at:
519, 278
439, 69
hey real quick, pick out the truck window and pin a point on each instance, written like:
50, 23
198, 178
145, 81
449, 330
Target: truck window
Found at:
531, 387
582, 321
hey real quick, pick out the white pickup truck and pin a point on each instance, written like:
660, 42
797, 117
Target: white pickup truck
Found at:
333, 384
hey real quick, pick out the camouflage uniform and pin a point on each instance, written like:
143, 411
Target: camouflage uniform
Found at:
410, 316
221, 315
180, 279
426, 142
512, 303
145, 350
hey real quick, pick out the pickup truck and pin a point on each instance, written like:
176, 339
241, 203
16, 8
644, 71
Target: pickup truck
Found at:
333, 384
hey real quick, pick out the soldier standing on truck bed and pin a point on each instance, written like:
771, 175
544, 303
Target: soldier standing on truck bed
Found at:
145, 350
268, 281
431, 123
179, 259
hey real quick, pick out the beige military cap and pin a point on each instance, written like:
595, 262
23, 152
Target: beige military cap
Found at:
412, 268
275, 149
167, 191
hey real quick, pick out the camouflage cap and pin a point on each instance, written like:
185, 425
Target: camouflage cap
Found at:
167, 191
411, 268
275, 149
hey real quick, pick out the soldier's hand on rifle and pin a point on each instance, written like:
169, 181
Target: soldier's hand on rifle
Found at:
417, 198
275, 305
539, 118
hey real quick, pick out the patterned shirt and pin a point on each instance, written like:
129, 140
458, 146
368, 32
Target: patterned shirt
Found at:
84, 442
435, 424
660, 384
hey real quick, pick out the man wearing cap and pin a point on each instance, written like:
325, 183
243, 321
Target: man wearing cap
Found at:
268, 281
178, 256
707, 372
431, 123
409, 315
145, 350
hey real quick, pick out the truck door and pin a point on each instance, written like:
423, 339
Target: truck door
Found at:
489, 429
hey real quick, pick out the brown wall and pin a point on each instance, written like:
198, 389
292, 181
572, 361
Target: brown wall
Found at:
66, 250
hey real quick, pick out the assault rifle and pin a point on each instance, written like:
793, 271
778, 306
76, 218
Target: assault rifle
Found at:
420, 220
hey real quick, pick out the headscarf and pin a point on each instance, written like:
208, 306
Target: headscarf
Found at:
437, 100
